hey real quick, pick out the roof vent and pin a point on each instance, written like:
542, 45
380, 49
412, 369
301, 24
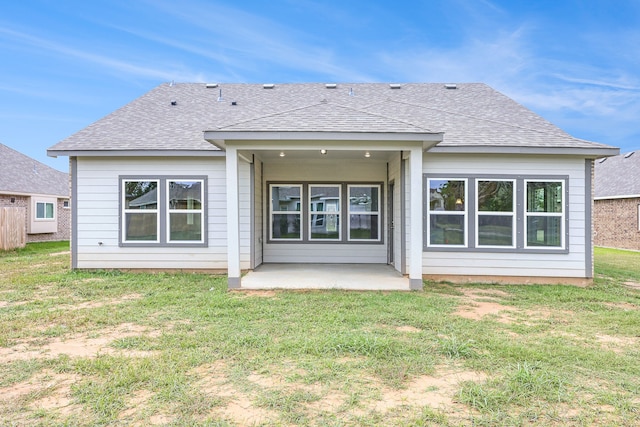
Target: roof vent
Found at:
451, 86
220, 99
211, 85
174, 102
268, 86
602, 160
331, 85
395, 86
626, 156
351, 92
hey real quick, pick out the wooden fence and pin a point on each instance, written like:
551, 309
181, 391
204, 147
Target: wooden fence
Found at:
12, 228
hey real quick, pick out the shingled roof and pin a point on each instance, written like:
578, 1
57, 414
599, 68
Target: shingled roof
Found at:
20, 174
174, 117
618, 176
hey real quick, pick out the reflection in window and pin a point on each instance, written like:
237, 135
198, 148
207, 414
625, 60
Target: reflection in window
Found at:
364, 212
544, 213
495, 220
447, 212
185, 211
140, 211
285, 212
324, 212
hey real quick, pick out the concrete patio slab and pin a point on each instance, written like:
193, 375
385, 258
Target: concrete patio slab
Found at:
361, 277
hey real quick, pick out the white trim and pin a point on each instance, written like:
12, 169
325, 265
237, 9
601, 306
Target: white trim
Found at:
511, 214
44, 219
213, 152
464, 213
595, 152
415, 217
233, 217
560, 215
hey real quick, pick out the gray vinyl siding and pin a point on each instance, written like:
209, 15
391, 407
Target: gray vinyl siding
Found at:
570, 264
98, 214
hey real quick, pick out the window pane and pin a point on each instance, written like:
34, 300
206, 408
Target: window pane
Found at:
49, 210
324, 198
285, 226
185, 226
325, 226
363, 226
141, 226
363, 199
495, 196
495, 230
185, 195
544, 197
446, 229
40, 210
544, 231
446, 195
141, 195
285, 198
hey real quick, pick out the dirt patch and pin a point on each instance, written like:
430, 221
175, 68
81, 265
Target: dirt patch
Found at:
45, 390
616, 344
97, 304
624, 306
408, 328
437, 391
81, 345
475, 304
257, 294
632, 285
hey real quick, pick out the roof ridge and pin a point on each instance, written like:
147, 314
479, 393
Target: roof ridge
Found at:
382, 115
269, 115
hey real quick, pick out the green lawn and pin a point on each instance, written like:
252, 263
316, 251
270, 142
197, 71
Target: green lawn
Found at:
109, 348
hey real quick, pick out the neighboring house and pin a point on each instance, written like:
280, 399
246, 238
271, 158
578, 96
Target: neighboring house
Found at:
616, 214
439, 181
41, 191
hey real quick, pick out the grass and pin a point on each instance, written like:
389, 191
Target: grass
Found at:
109, 348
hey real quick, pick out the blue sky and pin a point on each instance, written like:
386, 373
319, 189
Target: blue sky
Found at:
66, 64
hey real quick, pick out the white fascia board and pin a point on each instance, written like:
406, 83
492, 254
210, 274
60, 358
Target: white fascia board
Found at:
388, 140
593, 153
135, 153
21, 194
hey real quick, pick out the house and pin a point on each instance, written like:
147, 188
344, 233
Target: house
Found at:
41, 193
451, 181
616, 214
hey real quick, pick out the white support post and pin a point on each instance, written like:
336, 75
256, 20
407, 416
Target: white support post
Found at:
415, 243
233, 218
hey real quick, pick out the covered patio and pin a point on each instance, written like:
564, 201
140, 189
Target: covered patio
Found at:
356, 277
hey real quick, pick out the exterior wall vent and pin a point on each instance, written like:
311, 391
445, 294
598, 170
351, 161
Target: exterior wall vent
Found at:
268, 86
211, 85
451, 86
626, 156
331, 85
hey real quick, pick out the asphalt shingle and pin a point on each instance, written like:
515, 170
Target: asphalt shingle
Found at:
617, 176
473, 114
20, 174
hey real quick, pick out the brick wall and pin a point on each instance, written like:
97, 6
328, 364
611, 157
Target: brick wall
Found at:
64, 218
616, 223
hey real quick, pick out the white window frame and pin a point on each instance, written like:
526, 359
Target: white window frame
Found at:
325, 212
512, 214
44, 218
126, 211
377, 212
273, 212
169, 210
560, 215
464, 212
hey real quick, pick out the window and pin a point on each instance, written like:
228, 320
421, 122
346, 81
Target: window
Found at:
544, 214
65, 203
184, 200
495, 206
495, 213
447, 212
324, 212
364, 212
285, 214
45, 210
140, 211
163, 211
